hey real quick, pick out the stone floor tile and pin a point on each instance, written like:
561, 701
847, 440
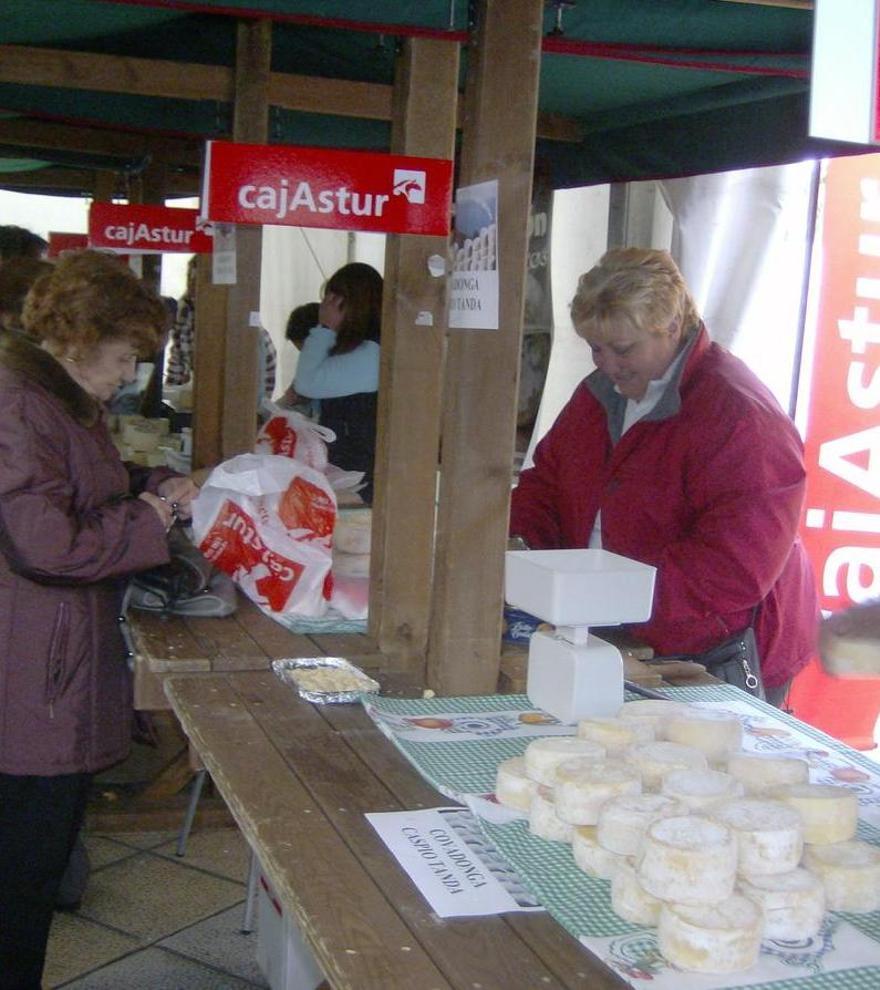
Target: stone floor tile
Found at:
77, 945
104, 851
222, 851
158, 969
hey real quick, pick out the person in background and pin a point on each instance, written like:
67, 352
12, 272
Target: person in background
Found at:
339, 365
17, 275
75, 523
674, 454
17, 242
299, 323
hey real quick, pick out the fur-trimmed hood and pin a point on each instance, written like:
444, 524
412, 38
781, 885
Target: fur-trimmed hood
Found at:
23, 357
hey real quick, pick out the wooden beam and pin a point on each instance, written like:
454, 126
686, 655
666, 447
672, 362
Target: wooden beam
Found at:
410, 393
482, 367
70, 181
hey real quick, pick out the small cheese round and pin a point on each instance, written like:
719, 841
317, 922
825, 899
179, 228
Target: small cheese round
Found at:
717, 734
699, 790
769, 835
688, 860
616, 734
543, 820
830, 813
581, 787
543, 755
793, 903
657, 759
762, 774
653, 711
512, 787
850, 874
590, 857
630, 900
623, 820
717, 938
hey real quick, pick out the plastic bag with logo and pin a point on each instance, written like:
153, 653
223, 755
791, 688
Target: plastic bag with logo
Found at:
290, 434
267, 521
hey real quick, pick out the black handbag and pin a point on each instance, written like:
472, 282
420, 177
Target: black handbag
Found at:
735, 661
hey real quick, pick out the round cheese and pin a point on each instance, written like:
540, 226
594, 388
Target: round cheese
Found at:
716, 734
652, 711
616, 734
543, 755
830, 813
543, 820
581, 787
630, 900
793, 903
512, 787
717, 938
699, 790
769, 835
655, 760
590, 857
623, 820
762, 774
850, 874
688, 860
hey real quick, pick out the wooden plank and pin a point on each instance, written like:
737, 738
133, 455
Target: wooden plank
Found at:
165, 644
410, 392
356, 935
275, 641
482, 368
209, 366
344, 644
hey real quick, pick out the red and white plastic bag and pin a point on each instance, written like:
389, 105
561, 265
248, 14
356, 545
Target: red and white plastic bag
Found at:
290, 434
267, 521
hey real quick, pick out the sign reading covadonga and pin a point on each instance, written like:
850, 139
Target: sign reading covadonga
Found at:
323, 187
138, 229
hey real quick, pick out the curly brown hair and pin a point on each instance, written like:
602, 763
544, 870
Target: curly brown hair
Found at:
90, 298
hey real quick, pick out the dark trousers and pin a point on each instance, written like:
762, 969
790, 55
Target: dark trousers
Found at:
39, 821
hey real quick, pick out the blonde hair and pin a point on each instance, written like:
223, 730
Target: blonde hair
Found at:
640, 288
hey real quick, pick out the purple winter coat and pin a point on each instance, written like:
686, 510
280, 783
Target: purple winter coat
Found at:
69, 537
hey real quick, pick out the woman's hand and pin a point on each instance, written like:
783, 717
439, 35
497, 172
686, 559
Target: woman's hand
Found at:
181, 492
167, 515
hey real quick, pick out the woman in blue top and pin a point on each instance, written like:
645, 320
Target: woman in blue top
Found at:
339, 365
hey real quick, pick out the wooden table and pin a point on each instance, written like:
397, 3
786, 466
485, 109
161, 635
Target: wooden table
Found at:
298, 779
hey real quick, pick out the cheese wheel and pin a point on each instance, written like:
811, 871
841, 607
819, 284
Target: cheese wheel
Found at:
623, 820
716, 734
543, 820
716, 938
699, 790
688, 860
769, 835
630, 900
830, 813
793, 903
655, 760
652, 711
543, 755
850, 874
590, 857
512, 787
762, 774
616, 734
581, 787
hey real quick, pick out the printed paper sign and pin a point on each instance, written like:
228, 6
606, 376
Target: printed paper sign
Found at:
132, 228
473, 294
321, 187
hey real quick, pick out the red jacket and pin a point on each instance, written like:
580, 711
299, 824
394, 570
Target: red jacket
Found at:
707, 487
68, 540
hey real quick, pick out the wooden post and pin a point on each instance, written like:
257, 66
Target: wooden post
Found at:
410, 399
209, 366
482, 367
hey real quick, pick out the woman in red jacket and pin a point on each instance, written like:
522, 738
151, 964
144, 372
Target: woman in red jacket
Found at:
673, 453
74, 523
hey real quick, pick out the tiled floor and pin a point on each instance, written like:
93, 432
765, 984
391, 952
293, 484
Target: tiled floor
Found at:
153, 921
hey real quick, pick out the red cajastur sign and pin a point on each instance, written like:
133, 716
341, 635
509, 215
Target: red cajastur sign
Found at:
138, 229
60, 242
321, 187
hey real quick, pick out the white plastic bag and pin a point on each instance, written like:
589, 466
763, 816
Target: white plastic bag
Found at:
267, 521
290, 434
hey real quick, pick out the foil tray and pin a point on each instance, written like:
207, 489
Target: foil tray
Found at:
286, 671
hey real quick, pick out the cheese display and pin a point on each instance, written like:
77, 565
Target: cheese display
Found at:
655, 760
590, 856
793, 903
623, 820
652, 711
582, 786
850, 874
716, 938
513, 788
543, 820
716, 734
762, 774
699, 790
630, 900
616, 734
543, 755
830, 813
688, 860
769, 835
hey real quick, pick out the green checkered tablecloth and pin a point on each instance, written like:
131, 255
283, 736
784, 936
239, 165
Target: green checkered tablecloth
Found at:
456, 745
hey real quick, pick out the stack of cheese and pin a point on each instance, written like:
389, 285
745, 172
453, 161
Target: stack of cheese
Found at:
716, 847
144, 441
